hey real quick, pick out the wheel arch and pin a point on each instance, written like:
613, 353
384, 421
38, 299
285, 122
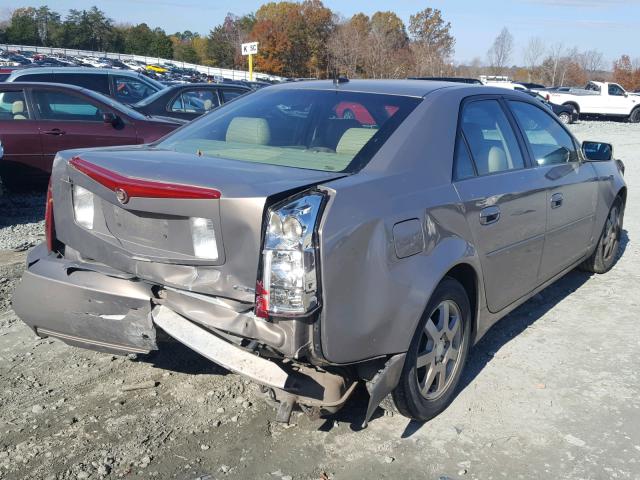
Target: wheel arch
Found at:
468, 277
572, 104
622, 193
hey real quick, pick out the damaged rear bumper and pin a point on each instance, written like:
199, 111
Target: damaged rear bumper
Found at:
93, 307
84, 308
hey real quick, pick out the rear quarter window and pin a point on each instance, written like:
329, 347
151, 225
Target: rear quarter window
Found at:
35, 77
91, 81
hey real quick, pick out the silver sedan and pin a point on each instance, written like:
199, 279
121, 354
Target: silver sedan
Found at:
316, 235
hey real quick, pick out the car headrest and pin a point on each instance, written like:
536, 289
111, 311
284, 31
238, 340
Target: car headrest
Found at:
251, 130
208, 104
497, 160
17, 107
354, 139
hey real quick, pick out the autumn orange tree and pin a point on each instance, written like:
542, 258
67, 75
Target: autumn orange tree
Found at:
626, 73
293, 38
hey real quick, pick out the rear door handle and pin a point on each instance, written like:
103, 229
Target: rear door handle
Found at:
556, 200
54, 131
489, 215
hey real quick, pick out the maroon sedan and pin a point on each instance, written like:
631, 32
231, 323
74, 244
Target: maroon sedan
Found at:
37, 120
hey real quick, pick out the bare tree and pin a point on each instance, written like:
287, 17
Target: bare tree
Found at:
533, 53
552, 62
346, 48
500, 52
565, 62
591, 61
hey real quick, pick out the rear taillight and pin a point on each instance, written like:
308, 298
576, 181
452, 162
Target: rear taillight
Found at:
49, 224
288, 283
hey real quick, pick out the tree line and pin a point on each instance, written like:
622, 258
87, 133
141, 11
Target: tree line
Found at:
307, 39
297, 39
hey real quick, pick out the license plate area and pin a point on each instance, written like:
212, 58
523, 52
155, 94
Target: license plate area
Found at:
156, 236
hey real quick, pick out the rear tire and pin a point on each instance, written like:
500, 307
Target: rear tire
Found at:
605, 255
565, 118
437, 354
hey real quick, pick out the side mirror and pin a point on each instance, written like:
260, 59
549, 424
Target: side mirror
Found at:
110, 118
597, 151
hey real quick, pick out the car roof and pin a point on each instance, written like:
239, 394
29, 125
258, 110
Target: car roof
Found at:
14, 85
409, 88
208, 85
95, 71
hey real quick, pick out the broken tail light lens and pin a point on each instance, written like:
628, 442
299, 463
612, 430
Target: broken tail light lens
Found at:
83, 207
49, 225
289, 282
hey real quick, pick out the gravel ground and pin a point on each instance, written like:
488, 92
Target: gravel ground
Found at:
552, 391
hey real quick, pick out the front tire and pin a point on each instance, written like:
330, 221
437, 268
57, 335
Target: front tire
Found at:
605, 255
437, 354
565, 117
635, 116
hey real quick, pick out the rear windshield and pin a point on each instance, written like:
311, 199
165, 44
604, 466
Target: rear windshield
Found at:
327, 130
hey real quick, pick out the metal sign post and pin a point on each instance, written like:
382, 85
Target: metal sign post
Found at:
250, 49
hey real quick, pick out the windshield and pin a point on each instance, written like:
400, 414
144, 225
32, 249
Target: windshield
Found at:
327, 130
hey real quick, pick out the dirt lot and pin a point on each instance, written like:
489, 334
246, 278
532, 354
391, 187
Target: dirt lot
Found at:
552, 391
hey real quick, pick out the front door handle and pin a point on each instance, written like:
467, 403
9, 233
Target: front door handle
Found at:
556, 200
54, 131
489, 215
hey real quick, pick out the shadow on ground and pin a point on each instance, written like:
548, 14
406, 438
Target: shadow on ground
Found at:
176, 357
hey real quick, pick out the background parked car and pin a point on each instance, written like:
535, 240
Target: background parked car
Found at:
564, 113
189, 100
123, 85
38, 120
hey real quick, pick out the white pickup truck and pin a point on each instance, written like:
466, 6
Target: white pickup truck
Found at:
598, 98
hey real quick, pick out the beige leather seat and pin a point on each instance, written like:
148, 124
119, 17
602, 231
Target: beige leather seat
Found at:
17, 110
354, 139
252, 130
497, 160
207, 105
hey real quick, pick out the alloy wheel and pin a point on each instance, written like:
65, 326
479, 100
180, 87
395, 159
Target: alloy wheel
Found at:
439, 351
611, 234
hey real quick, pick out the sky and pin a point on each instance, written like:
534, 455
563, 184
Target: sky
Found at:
610, 26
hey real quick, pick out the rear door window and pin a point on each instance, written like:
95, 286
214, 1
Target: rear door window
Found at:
491, 139
131, 90
549, 142
13, 105
195, 101
231, 94
57, 105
